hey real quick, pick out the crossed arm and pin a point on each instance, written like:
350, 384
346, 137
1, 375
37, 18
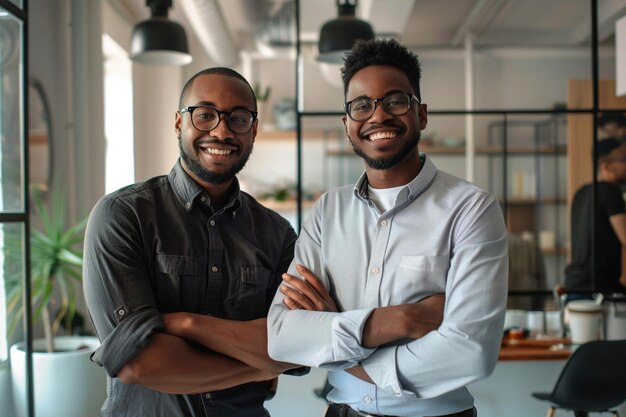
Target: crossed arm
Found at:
384, 325
172, 365
230, 353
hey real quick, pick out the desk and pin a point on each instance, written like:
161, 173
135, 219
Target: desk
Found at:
524, 367
535, 349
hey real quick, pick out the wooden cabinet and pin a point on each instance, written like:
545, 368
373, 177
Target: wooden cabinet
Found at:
580, 129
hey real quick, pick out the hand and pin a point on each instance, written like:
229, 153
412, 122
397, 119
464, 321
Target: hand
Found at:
622, 280
307, 294
405, 321
425, 315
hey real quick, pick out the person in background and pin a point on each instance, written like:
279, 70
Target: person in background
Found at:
180, 270
610, 227
612, 125
373, 259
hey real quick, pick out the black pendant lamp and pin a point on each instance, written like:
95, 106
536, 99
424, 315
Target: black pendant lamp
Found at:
338, 35
159, 40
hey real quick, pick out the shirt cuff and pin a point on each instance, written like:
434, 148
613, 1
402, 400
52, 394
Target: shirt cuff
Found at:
347, 331
382, 368
127, 339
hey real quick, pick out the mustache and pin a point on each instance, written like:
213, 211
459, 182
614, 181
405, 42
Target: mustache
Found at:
203, 141
377, 126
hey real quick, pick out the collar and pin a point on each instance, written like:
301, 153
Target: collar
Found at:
411, 191
188, 192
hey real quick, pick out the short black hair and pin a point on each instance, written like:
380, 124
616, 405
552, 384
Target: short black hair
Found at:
612, 117
229, 72
604, 147
382, 52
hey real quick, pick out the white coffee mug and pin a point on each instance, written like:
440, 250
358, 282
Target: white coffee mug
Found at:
585, 321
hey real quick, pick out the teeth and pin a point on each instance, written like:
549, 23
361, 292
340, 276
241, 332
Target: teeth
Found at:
218, 151
382, 136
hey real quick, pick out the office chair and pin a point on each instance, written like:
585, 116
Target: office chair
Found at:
592, 380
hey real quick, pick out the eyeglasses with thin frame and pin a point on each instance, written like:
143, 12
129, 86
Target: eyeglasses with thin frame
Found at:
394, 104
205, 118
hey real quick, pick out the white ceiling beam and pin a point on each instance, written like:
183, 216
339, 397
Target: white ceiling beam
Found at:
478, 19
608, 13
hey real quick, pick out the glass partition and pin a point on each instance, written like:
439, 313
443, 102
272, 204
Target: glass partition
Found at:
13, 208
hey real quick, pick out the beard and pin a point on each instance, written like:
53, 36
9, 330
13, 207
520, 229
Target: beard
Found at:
391, 161
192, 163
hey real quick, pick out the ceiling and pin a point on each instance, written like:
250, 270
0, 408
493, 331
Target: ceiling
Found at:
263, 27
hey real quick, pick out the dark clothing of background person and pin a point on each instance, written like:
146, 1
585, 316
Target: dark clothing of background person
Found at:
578, 275
158, 247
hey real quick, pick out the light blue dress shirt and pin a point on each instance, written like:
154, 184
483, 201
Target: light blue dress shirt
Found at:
444, 235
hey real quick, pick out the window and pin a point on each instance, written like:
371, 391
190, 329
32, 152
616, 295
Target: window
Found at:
118, 116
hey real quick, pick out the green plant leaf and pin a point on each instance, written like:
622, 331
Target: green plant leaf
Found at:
56, 264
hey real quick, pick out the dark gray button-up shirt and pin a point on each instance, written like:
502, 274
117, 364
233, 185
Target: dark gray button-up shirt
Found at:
157, 247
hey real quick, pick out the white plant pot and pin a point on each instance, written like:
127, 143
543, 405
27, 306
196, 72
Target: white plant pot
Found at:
6, 403
66, 383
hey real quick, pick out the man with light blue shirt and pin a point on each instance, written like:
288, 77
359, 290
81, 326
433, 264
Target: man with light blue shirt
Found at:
379, 254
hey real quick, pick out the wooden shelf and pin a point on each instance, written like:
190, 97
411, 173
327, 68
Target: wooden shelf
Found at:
286, 205
531, 201
460, 150
37, 139
337, 133
554, 251
317, 134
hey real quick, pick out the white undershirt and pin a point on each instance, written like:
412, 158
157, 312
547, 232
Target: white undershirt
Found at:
384, 198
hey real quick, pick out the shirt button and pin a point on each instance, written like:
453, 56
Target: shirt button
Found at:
212, 222
187, 205
203, 198
208, 395
383, 223
214, 269
376, 270
367, 399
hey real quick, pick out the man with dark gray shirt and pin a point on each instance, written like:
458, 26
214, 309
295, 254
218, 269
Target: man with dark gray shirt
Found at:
180, 270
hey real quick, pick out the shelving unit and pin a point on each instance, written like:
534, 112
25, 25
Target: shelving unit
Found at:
537, 211
536, 145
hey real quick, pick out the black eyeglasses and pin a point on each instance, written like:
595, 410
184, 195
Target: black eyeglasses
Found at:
395, 104
206, 118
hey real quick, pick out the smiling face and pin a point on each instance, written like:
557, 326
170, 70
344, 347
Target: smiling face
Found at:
215, 157
384, 141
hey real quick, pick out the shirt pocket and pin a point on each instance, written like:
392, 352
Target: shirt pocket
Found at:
172, 280
419, 276
251, 301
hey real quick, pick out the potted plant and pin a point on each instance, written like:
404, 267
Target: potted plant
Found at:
58, 361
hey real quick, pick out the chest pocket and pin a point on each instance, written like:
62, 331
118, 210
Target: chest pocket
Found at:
173, 281
251, 299
419, 276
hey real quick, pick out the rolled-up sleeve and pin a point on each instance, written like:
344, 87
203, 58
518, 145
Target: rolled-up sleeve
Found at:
116, 283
